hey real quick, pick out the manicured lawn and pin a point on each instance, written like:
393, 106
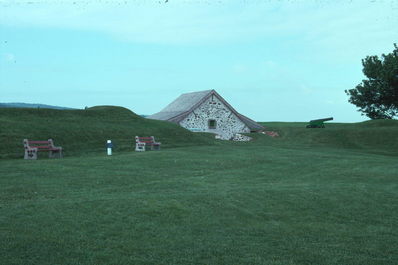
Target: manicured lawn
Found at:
265, 202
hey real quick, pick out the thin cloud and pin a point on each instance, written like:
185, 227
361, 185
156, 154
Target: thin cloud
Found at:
201, 22
9, 57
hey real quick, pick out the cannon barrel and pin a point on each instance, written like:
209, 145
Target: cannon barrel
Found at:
326, 119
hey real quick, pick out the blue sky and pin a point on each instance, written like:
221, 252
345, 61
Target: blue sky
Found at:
273, 60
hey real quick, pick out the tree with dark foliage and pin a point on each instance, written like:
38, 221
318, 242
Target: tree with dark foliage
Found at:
377, 96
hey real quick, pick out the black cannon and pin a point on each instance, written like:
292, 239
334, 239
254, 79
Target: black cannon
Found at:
318, 123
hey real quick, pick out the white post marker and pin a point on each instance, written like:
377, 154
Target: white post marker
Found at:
109, 147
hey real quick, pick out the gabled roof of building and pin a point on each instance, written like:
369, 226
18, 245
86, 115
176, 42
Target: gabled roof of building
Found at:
183, 104
186, 103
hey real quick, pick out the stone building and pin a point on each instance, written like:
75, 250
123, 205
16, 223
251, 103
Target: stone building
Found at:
207, 111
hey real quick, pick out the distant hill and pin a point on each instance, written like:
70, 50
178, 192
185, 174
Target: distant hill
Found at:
30, 105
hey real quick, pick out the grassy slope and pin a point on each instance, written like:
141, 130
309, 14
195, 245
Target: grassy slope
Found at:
297, 199
377, 136
85, 131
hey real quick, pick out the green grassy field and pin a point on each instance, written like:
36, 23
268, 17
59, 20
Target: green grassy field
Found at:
311, 196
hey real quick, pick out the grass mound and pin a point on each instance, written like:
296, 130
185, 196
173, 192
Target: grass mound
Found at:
378, 123
375, 136
85, 131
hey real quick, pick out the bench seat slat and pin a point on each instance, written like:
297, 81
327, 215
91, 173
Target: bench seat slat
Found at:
45, 147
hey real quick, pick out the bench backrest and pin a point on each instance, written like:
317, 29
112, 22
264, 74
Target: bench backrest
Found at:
146, 140
49, 144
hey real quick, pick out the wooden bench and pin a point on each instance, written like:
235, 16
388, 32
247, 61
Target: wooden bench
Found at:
32, 147
146, 143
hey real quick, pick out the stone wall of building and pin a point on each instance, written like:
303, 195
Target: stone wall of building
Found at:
227, 123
